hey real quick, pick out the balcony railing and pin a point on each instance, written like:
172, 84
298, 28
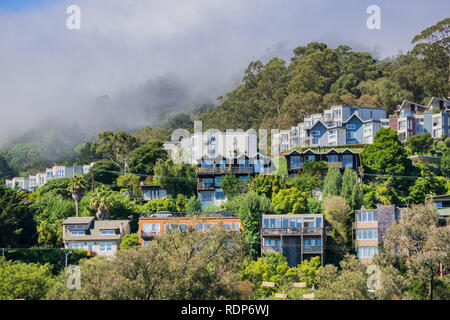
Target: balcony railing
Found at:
290, 231
224, 170
267, 249
312, 249
205, 186
334, 164
148, 234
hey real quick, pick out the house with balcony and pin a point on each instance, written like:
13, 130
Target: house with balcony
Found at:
442, 203
211, 170
151, 227
339, 125
296, 236
333, 158
412, 118
33, 182
101, 237
152, 192
370, 228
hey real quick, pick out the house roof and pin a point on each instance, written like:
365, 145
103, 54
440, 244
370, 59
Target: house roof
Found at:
354, 115
78, 220
405, 102
94, 233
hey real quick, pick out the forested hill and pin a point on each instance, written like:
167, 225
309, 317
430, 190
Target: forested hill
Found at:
279, 94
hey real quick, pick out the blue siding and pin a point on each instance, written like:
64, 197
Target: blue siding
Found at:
359, 135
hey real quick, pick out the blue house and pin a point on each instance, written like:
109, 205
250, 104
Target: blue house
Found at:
355, 130
319, 134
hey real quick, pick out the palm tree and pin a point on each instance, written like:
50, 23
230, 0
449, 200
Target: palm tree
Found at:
102, 201
76, 186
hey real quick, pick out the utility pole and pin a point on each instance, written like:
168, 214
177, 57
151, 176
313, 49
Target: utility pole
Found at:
67, 254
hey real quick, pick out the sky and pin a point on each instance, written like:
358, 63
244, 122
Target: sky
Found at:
131, 60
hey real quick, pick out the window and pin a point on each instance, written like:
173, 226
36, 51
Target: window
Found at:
151, 228
315, 141
367, 252
351, 126
110, 231
318, 222
217, 181
333, 158
77, 233
366, 216
219, 195
347, 161
366, 234
350, 135
105, 246
315, 133
76, 245
295, 162
90, 246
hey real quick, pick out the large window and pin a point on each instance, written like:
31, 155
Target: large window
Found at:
151, 228
366, 234
366, 216
333, 158
219, 195
106, 246
347, 161
272, 243
109, 231
76, 245
367, 252
77, 233
295, 162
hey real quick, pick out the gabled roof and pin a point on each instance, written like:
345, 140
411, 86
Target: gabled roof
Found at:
318, 123
353, 115
405, 102
78, 220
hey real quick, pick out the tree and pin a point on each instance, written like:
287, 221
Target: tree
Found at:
290, 200
386, 155
17, 226
5, 171
351, 189
193, 205
419, 241
56, 187
176, 178
130, 182
149, 134
267, 184
420, 143
250, 206
349, 283
49, 212
337, 213
76, 186
175, 266
130, 241
445, 164
428, 184
29, 281
273, 267
333, 182
102, 201
232, 185
145, 157
105, 171
116, 147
